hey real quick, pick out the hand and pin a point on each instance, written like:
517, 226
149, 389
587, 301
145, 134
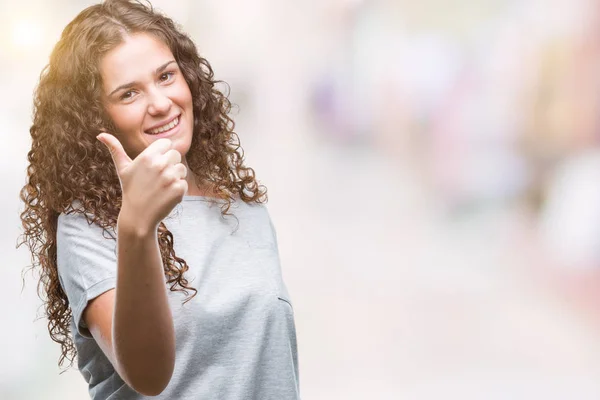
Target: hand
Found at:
152, 184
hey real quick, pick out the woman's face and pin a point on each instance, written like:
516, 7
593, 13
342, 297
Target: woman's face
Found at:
146, 95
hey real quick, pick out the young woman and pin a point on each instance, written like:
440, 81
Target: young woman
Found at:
157, 257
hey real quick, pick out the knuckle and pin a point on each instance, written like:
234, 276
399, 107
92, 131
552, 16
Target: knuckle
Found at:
157, 164
163, 142
168, 179
175, 155
145, 159
166, 144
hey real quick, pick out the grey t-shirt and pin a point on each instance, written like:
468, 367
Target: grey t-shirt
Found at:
235, 340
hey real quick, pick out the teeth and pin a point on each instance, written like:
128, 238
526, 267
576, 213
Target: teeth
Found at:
166, 127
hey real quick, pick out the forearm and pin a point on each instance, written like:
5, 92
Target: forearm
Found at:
143, 333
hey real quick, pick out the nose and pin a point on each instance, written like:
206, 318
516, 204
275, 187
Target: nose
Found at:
158, 103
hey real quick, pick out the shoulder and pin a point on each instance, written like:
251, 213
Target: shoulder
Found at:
76, 225
252, 209
84, 247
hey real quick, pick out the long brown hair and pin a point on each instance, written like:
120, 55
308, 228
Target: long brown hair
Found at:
68, 165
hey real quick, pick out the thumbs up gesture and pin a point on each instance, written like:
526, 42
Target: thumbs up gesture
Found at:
152, 184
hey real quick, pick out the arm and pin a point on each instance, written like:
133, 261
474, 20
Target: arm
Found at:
133, 324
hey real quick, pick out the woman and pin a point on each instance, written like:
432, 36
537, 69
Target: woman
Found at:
157, 257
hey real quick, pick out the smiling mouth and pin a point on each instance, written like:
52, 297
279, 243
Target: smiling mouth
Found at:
165, 127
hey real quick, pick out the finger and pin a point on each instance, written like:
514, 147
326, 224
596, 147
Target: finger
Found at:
180, 171
118, 154
158, 147
181, 188
172, 157
174, 174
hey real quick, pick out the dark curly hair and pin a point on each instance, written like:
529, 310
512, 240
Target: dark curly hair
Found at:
68, 166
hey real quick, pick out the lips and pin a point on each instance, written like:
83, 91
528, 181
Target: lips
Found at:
165, 127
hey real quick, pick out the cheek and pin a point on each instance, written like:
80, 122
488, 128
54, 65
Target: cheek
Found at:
128, 121
184, 96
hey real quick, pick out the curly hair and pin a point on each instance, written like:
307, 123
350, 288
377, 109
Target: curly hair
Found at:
70, 171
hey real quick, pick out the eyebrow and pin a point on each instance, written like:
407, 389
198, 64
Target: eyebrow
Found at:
130, 84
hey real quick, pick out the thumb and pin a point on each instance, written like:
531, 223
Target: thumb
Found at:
118, 154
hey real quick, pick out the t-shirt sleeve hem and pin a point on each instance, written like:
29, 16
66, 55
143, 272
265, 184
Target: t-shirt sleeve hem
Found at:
90, 294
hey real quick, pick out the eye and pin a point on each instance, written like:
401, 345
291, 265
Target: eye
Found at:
127, 95
166, 76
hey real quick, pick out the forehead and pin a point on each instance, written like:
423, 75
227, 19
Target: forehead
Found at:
135, 58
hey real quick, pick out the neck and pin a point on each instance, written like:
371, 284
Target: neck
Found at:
196, 188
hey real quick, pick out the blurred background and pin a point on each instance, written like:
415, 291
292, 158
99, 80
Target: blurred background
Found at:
434, 178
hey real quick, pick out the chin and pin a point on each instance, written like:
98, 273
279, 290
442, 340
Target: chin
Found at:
183, 145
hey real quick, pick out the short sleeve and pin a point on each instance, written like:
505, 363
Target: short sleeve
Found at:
87, 263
